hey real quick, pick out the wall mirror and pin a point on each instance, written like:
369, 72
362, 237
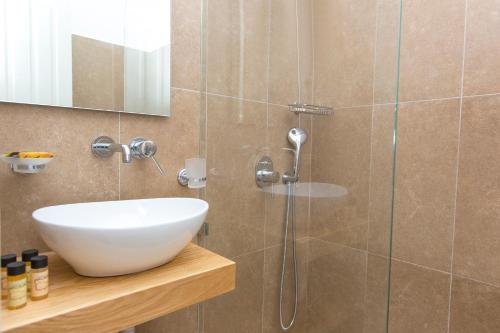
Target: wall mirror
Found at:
111, 55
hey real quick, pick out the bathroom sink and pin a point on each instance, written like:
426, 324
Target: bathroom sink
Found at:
120, 237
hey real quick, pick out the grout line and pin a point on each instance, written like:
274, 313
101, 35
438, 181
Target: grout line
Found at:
476, 281
378, 255
339, 245
309, 215
421, 266
370, 167
237, 98
483, 95
458, 164
244, 254
429, 100
266, 211
299, 84
186, 90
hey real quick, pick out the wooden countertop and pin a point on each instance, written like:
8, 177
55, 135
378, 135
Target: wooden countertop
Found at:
82, 304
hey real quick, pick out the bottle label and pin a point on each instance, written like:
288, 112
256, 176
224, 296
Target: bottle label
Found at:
28, 276
17, 293
39, 283
5, 288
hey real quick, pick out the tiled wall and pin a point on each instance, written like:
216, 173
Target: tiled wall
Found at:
261, 55
446, 275
76, 175
256, 64
355, 57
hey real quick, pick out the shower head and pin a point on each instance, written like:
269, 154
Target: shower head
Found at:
297, 137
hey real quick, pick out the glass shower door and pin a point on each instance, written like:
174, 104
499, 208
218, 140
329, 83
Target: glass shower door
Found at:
259, 57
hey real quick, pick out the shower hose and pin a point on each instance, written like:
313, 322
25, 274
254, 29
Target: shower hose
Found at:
289, 223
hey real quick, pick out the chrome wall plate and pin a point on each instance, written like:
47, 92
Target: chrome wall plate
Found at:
100, 146
182, 177
264, 172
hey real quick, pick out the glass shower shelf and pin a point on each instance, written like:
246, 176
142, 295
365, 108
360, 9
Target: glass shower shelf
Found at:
315, 190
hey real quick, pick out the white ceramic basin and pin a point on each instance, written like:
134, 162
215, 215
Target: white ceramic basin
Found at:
120, 237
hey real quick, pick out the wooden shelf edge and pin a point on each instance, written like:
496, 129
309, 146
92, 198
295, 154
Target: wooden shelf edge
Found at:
110, 314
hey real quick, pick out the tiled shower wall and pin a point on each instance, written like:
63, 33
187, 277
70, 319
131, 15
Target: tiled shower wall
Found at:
256, 64
445, 275
355, 71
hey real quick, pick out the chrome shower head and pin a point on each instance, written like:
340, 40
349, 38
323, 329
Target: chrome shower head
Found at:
297, 137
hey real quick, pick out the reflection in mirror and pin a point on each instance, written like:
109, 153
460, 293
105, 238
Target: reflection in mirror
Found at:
102, 55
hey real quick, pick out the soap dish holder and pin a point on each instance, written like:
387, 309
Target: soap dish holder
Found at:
27, 165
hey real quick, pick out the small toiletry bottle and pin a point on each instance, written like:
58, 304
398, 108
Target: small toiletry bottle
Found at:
39, 278
27, 255
16, 281
6, 259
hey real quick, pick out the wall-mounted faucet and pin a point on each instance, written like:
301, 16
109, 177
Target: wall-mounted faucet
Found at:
138, 148
104, 146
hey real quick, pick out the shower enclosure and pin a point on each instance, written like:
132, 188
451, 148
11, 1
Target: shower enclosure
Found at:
260, 56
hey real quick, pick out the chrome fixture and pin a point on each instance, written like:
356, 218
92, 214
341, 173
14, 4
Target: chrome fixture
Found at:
297, 137
194, 173
142, 148
104, 147
138, 148
264, 172
182, 177
309, 109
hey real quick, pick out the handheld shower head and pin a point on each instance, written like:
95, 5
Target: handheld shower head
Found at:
297, 137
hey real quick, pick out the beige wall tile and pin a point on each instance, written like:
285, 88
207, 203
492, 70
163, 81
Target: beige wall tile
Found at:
306, 49
74, 176
272, 282
431, 50
343, 57
240, 310
182, 321
177, 140
341, 156
381, 179
474, 307
426, 169
186, 44
482, 53
377, 295
95, 85
236, 140
477, 228
419, 299
237, 46
386, 51
283, 59
335, 287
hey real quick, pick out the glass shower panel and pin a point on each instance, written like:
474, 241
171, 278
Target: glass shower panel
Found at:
258, 57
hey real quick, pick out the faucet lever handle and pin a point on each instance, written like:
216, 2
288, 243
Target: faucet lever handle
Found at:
158, 165
142, 148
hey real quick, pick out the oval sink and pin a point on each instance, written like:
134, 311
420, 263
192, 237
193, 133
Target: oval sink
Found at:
120, 237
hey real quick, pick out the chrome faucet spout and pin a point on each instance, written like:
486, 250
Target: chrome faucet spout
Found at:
124, 149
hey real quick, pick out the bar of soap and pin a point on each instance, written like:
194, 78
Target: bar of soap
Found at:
31, 154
